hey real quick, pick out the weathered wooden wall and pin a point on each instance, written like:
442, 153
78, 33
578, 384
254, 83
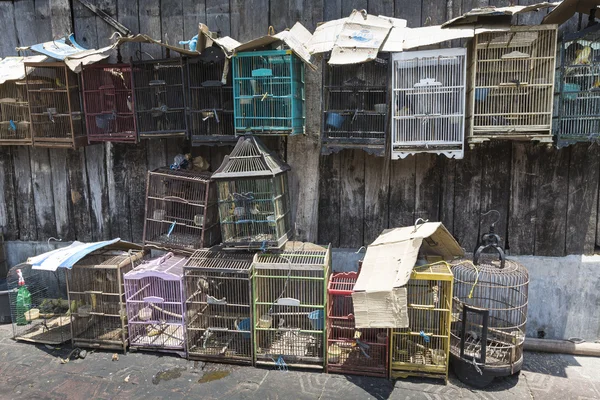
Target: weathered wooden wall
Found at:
548, 198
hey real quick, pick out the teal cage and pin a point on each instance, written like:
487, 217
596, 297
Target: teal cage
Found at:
268, 93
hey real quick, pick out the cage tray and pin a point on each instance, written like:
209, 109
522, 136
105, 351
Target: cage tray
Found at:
296, 344
227, 345
180, 239
55, 330
171, 336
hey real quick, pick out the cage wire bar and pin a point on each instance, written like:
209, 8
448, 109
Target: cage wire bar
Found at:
97, 298
55, 109
108, 103
578, 102
351, 350
512, 85
289, 301
181, 210
428, 102
160, 98
423, 348
15, 121
268, 92
40, 307
155, 303
254, 203
355, 106
210, 93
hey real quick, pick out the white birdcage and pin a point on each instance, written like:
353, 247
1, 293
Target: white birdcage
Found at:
428, 102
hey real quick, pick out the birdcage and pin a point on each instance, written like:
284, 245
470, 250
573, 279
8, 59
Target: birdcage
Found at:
108, 103
422, 348
489, 315
355, 106
97, 298
428, 102
55, 105
15, 121
578, 103
289, 300
219, 305
181, 210
254, 203
159, 97
155, 304
268, 92
211, 98
39, 305
351, 350
512, 84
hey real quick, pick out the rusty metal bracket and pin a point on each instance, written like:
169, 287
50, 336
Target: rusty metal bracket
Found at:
107, 18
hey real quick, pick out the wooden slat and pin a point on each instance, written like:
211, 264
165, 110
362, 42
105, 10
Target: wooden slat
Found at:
43, 23
349, 5
9, 36
447, 192
79, 194
128, 15
62, 194
118, 192
329, 199
194, 12
60, 12
332, 9
427, 187
98, 189
103, 30
245, 17
85, 26
25, 12
41, 178
433, 12
24, 194
149, 17
218, 18
402, 192
381, 7
408, 10
352, 198
377, 186
171, 19
134, 164
8, 215
156, 153
467, 199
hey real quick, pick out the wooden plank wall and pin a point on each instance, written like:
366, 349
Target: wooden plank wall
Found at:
548, 199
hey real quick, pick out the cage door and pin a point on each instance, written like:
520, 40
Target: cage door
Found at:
473, 333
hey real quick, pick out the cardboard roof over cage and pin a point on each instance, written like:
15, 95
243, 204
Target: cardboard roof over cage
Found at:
379, 296
12, 68
567, 8
493, 15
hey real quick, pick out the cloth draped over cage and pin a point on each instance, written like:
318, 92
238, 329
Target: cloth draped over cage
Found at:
380, 295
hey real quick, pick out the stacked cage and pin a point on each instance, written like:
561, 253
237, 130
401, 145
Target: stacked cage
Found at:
351, 350
422, 348
55, 105
159, 96
108, 103
254, 203
38, 305
290, 299
15, 121
181, 210
428, 97
155, 304
211, 98
578, 118
355, 106
268, 92
219, 306
512, 84
97, 298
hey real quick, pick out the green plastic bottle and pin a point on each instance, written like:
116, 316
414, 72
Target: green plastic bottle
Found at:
23, 301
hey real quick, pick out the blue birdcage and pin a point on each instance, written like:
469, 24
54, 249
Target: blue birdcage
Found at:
268, 93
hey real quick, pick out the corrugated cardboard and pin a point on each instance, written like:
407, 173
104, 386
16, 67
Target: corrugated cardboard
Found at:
380, 292
567, 8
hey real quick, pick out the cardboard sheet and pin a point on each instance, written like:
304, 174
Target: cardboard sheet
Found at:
567, 8
12, 68
488, 14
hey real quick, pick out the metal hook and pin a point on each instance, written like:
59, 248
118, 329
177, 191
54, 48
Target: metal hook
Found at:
361, 248
417, 223
53, 238
491, 211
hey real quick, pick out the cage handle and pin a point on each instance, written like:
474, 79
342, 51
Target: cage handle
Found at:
485, 315
176, 198
490, 240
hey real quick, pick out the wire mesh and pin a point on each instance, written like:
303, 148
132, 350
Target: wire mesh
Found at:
578, 102
513, 84
268, 92
181, 210
428, 100
55, 106
289, 307
355, 106
97, 298
15, 121
219, 305
160, 100
108, 103
39, 308
422, 349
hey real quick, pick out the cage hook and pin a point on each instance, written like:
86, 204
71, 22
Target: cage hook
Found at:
360, 249
424, 221
493, 225
271, 30
53, 238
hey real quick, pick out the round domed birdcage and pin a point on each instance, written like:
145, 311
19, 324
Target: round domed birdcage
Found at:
489, 314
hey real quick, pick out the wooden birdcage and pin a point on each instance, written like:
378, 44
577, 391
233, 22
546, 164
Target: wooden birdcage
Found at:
254, 204
181, 210
210, 98
155, 304
219, 305
578, 103
15, 122
97, 298
512, 84
160, 99
290, 307
108, 103
351, 350
355, 106
428, 102
55, 105
423, 348
268, 92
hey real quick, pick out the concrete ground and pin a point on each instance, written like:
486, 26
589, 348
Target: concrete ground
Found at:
29, 371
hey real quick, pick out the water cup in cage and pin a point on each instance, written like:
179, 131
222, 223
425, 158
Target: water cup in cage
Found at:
438, 356
145, 314
271, 219
239, 211
316, 319
380, 108
198, 219
333, 353
265, 321
84, 311
159, 215
335, 120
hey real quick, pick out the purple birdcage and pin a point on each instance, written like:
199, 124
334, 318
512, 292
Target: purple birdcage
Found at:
155, 304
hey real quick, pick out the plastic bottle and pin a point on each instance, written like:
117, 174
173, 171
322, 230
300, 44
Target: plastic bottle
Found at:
23, 300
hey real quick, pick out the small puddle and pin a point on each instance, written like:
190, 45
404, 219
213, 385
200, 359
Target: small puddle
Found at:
167, 375
213, 376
